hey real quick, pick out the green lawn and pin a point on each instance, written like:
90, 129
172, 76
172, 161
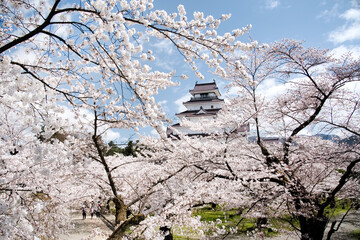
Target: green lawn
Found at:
355, 234
229, 219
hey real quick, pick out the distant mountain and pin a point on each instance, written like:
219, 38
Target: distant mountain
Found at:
352, 140
330, 137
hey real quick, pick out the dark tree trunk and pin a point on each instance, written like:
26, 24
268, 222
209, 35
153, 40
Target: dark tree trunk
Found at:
312, 228
167, 232
331, 231
120, 210
261, 222
120, 231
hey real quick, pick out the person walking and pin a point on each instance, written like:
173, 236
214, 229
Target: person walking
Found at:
98, 210
84, 213
92, 212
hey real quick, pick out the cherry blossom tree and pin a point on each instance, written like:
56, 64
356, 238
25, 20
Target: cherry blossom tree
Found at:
61, 62
304, 174
34, 193
154, 186
297, 176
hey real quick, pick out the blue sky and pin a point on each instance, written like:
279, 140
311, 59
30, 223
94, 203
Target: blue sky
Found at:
332, 24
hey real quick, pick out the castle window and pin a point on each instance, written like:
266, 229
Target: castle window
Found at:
204, 95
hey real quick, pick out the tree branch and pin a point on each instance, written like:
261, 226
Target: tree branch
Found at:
33, 32
341, 183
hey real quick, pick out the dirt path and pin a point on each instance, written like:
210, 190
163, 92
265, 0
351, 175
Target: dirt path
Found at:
90, 228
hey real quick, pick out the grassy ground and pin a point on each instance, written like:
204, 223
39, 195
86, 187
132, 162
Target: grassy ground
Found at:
229, 219
232, 218
355, 234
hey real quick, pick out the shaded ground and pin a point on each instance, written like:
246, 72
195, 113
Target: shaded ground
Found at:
90, 228
96, 229
350, 224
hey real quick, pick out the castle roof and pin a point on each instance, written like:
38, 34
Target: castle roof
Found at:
197, 113
199, 100
205, 88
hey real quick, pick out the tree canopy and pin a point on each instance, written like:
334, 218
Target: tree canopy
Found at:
71, 72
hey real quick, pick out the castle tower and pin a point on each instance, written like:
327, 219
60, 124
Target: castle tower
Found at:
205, 103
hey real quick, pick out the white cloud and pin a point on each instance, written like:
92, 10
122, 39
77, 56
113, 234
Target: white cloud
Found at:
85, 118
350, 30
328, 15
352, 14
25, 54
233, 91
164, 106
355, 51
154, 133
271, 4
164, 46
341, 50
179, 102
162, 51
270, 88
353, 87
63, 31
307, 132
111, 135
163, 102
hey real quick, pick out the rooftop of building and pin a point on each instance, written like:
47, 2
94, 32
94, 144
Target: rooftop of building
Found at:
204, 87
207, 99
201, 112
